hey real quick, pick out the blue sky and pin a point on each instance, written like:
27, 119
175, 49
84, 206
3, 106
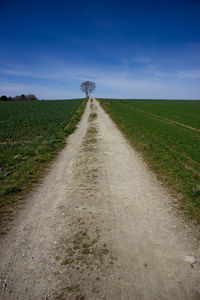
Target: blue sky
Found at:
131, 49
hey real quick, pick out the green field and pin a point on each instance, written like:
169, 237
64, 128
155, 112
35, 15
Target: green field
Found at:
167, 133
30, 135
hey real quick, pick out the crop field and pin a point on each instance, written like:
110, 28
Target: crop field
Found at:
167, 133
30, 134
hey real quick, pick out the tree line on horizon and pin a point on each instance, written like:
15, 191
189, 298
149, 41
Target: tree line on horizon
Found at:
22, 97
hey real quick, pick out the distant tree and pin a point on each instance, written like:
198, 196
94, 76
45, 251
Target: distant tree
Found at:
3, 98
25, 98
31, 97
18, 98
88, 87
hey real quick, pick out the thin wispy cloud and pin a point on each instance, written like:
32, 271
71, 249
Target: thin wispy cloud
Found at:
193, 74
142, 59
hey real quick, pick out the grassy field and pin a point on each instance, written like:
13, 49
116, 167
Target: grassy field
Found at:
31, 133
167, 133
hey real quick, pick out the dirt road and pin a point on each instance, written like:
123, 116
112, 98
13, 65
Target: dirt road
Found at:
99, 226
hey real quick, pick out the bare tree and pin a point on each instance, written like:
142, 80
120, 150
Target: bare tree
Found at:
88, 87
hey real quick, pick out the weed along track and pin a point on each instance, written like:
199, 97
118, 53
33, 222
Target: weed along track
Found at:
99, 226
